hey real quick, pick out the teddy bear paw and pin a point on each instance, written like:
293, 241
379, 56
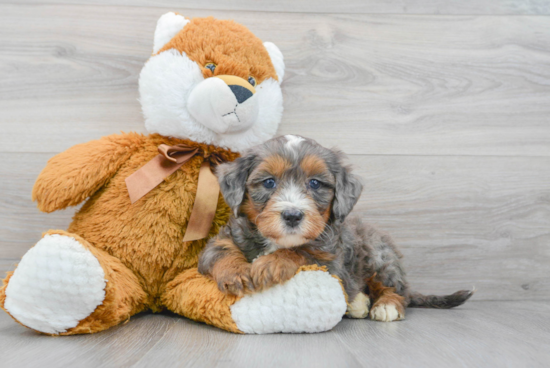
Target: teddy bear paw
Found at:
57, 284
312, 301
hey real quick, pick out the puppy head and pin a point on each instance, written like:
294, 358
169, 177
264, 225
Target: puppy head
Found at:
290, 188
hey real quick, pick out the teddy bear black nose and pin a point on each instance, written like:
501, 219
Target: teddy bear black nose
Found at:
242, 94
292, 217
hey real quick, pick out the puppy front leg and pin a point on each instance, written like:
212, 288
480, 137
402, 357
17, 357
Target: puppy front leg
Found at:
282, 265
226, 264
276, 268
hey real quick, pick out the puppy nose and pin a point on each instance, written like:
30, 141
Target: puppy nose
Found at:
242, 94
292, 217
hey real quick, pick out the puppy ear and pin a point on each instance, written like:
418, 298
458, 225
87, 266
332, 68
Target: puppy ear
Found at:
232, 177
347, 193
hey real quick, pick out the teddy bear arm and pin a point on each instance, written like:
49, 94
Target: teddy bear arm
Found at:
197, 297
75, 174
312, 301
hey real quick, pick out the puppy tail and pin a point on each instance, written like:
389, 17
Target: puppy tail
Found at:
418, 300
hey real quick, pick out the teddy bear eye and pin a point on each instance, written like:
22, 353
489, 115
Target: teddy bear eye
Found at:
252, 81
211, 66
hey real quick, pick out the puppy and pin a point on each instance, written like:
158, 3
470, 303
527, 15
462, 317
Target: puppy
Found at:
291, 199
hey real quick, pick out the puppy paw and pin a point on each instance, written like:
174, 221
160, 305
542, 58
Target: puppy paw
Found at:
271, 270
387, 312
359, 307
235, 280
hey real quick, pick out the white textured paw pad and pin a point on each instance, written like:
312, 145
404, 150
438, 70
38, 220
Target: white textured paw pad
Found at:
359, 308
312, 301
385, 313
57, 284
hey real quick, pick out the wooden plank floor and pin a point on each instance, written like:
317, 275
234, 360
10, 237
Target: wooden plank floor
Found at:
479, 334
443, 106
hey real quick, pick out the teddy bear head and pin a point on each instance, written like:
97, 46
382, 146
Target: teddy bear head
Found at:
211, 81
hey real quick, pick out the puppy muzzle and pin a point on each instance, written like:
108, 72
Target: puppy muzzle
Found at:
224, 104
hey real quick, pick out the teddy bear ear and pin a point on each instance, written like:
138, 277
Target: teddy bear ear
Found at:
168, 26
277, 59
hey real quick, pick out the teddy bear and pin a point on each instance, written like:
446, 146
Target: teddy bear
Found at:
210, 89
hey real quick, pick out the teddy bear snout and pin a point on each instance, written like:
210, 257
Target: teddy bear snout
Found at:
224, 104
241, 88
242, 94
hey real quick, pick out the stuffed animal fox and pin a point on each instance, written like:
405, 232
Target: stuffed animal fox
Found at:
213, 88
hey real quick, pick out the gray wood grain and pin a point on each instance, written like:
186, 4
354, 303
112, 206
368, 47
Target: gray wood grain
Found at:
121, 346
478, 334
384, 84
460, 221
475, 335
192, 344
465, 7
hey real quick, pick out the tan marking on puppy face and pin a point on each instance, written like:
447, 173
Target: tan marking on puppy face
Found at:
249, 210
313, 165
326, 213
275, 165
314, 225
264, 207
231, 46
271, 224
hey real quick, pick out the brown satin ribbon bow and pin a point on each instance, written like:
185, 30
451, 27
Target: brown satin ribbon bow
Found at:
170, 159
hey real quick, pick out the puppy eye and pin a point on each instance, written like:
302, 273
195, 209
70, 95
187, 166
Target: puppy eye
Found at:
252, 81
269, 183
314, 184
210, 66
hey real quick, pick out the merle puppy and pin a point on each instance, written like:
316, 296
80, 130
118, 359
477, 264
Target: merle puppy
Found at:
291, 199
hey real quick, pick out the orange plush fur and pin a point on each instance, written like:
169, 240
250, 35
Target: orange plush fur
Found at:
140, 247
210, 40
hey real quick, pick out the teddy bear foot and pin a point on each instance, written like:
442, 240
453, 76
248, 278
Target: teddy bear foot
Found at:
58, 283
312, 301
